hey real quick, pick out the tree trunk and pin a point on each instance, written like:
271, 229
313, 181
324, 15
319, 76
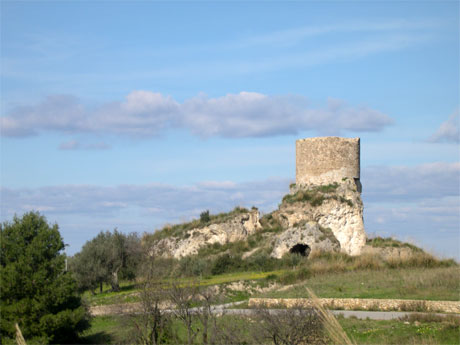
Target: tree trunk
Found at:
114, 283
205, 328
100, 287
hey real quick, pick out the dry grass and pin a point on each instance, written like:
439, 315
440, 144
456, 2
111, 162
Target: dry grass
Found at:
327, 262
332, 326
19, 338
405, 283
453, 320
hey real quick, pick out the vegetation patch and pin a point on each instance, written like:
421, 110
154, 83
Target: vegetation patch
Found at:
327, 234
407, 283
316, 195
179, 230
401, 332
381, 242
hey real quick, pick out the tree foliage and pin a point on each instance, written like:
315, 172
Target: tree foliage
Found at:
106, 258
36, 292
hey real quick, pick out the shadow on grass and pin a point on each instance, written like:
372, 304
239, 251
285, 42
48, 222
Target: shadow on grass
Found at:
97, 338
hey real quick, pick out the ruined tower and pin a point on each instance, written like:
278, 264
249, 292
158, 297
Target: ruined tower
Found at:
326, 160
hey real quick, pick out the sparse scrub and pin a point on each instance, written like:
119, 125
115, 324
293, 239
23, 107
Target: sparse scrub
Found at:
330, 188
406, 283
311, 196
179, 230
327, 233
380, 242
315, 196
270, 224
453, 320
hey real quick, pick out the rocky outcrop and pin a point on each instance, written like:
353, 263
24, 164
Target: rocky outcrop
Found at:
337, 207
307, 237
239, 227
318, 218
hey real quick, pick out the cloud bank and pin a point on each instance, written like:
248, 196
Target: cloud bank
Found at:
147, 114
420, 202
449, 131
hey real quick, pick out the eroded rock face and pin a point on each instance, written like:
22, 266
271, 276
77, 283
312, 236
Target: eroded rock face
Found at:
340, 210
309, 234
236, 229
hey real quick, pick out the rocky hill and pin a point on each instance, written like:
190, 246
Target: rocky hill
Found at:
309, 218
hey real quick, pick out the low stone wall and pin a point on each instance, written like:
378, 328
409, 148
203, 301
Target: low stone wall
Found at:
110, 309
361, 304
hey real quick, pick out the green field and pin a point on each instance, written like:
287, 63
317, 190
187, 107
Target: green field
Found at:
116, 330
414, 283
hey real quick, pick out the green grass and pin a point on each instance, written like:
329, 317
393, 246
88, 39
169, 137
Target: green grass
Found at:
315, 196
127, 293
129, 290
381, 242
116, 329
408, 283
232, 277
106, 330
398, 332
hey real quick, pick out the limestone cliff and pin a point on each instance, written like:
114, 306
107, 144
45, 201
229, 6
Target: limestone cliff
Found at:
336, 206
238, 227
303, 239
311, 217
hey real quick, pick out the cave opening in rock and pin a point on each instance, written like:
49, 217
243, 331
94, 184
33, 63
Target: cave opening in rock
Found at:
300, 248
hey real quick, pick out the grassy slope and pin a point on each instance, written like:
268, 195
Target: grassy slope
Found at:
413, 283
406, 283
128, 292
114, 329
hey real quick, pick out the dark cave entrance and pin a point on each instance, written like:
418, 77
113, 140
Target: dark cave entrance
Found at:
300, 248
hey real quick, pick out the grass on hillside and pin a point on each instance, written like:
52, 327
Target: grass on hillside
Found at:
417, 276
413, 330
180, 230
407, 283
380, 242
316, 195
129, 291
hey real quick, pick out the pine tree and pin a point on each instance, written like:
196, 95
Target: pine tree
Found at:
36, 292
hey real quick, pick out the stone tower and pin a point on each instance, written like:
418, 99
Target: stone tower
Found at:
326, 160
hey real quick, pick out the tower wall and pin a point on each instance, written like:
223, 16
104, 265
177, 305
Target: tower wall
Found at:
326, 160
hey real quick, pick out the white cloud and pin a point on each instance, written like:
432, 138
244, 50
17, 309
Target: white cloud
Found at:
449, 131
403, 183
146, 114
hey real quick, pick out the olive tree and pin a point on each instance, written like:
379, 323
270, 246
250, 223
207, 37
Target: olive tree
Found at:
106, 258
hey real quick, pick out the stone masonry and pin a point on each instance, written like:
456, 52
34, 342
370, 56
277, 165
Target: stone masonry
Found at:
325, 160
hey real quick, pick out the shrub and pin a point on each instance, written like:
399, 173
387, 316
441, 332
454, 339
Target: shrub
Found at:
204, 217
226, 263
294, 276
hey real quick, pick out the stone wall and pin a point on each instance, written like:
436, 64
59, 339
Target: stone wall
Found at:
360, 304
325, 160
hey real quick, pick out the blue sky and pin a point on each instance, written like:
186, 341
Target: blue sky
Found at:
136, 114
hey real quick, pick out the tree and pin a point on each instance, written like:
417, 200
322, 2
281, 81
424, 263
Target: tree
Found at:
36, 292
183, 297
106, 258
153, 325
